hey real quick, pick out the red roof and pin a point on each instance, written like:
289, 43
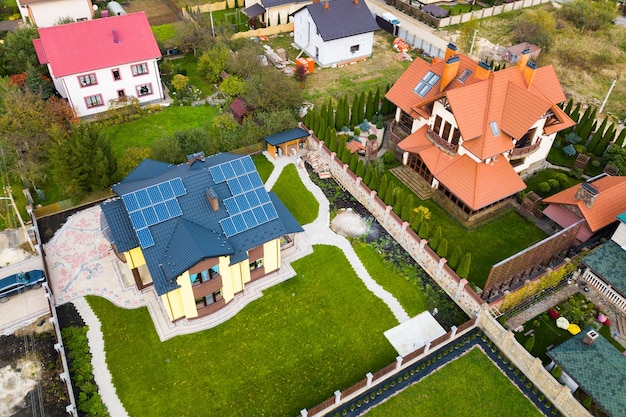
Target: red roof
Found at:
80, 47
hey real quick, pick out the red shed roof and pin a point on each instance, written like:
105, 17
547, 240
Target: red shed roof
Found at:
80, 47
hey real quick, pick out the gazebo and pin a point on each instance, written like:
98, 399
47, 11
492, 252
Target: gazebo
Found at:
286, 142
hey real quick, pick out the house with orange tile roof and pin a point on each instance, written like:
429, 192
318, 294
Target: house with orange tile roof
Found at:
468, 133
598, 201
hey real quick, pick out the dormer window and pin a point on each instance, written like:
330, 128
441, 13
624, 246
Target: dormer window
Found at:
428, 82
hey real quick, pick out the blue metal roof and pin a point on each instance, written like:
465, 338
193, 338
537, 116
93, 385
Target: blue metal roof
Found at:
622, 217
286, 136
179, 242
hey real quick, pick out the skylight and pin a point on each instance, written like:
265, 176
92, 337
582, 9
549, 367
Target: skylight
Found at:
495, 130
464, 75
428, 82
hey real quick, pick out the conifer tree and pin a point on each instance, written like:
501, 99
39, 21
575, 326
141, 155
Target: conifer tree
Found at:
619, 142
341, 148
464, 266
347, 156
368, 175
442, 250
597, 135
606, 140
354, 161
330, 118
360, 169
369, 106
416, 220
346, 112
407, 208
375, 182
361, 113
588, 127
339, 115
398, 200
354, 113
382, 188
454, 260
376, 101
389, 194
423, 230
278, 20
575, 115
436, 239
331, 139
569, 105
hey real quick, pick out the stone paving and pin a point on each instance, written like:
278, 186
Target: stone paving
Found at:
81, 262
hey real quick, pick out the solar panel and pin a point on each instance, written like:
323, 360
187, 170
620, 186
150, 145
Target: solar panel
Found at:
137, 220
248, 164
231, 206
238, 168
150, 215
155, 194
145, 238
217, 174
262, 194
270, 211
248, 216
242, 202
178, 187
130, 201
142, 198
260, 215
239, 223
228, 171
228, 227
234, 186
162, 212
166, 190
174, 208
255, 180
253, 200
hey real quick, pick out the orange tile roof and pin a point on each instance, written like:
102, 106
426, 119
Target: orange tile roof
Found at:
610, 202
416, 141
515, 122
354, 146
565, 120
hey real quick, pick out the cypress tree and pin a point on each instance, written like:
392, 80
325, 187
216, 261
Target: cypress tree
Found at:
324, 111
331, 139
530, 343
354, 161
398, 199
354, 114
307, 119
588, 127
361, 113
597, 135
464, 266
360, 169
620, 139
423, 231
389, 194
382, 187
330, 118
417, 218
608, 137
376, 100
341, 148
368, 175
339, 115
442, 250
407, 208
369, 106
347, 156
583, 120
454, 260
346, 112
436, 239
569, 105
575, 115
375, 182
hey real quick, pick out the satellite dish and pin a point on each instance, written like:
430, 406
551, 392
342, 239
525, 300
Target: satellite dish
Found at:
95, 7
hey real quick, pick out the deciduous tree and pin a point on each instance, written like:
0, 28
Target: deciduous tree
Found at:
535, 26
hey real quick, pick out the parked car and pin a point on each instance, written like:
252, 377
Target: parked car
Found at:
391, 18
22, 280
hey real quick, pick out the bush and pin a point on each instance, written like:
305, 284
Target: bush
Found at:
372, 136
562, 179
569, 150
595, 163
530, 343
554, 183
587, 402
544, 187
556, 372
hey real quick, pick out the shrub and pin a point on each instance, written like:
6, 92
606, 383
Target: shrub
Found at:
595, 163
561, 178
556, 372
569, 150
587, 402
544, 187
580, 148
357, 131
554, 183
372, 136
530, 343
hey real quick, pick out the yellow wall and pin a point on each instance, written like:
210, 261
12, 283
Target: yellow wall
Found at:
186, 295
135, 258
271, 255
173, 304
271, 149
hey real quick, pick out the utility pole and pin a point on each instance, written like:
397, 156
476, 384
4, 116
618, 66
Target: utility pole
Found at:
19, 216
473, 39
607, 95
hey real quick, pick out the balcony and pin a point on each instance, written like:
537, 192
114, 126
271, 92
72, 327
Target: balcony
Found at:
398, 132
207, 287
440, 143
522, 152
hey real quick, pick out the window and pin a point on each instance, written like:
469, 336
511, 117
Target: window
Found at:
94, 101
144, 90
446, 131
121, 94
116, 74
86, 80
204, 276
81, 19
464, 75
209, 299
495, 130
428, 82
456, 135
437, 126
256, 264
139, 69
354, 48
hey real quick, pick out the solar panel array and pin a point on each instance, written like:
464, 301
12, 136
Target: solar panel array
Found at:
152, 205
250, 205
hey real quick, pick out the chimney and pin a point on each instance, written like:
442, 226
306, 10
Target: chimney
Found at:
529, 73
116, 39
451, 50
326, 5
193, 157
590, 338
356, 1
586, 193
482, 71
212, 197
316, 1
523, 59
450, 70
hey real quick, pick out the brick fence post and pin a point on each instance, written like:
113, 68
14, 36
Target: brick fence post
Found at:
459, 290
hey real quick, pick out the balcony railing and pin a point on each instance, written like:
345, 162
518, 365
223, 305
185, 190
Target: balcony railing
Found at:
207, 287
397, 132
440, 143
526, 150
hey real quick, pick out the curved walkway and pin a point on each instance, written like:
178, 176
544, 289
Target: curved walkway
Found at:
81, 262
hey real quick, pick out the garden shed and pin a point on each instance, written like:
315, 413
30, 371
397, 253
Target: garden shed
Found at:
287, 142
240, 109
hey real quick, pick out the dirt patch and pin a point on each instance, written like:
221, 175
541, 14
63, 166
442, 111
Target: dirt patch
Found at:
159, 12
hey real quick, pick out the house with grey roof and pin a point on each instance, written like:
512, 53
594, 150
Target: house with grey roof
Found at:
335, 32
591, 363
263, 13
605, 268
197, 232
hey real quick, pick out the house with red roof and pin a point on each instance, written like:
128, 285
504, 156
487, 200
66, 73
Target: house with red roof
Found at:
335, 32
46, 13
467, 133
97, 62
598, 201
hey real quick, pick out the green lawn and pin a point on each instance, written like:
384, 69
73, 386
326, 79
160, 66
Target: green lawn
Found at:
408, 294
189, 66
143, 132
532, 183
317, 332
164, 33
294, 195
263, 166
470, 386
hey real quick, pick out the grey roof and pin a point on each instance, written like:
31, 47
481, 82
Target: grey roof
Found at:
286, 136
600, 369
341, 19
253, 11
271, 3
435, 10
609, 262
183, 241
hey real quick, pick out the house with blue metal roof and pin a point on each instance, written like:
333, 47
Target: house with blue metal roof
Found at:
605, 269
197, 232
335, 32
287, 142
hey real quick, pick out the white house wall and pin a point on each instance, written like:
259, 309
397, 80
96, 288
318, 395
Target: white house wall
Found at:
107, 87
331, 52
619, 236
46, 14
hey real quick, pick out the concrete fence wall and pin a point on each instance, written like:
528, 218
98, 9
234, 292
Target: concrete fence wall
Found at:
268, 31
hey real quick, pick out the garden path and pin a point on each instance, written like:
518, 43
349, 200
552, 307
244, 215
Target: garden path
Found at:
542, 306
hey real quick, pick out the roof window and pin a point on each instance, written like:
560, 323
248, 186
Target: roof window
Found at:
464, 75
495, 130
428, 82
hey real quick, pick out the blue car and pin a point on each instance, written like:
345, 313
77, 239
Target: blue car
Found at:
22, 280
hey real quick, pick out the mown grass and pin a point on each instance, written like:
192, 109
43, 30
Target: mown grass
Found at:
470, 386
163, 33
142, 132
295, 196
188, 65
408, 294
533, 182
263, 166
317, 332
